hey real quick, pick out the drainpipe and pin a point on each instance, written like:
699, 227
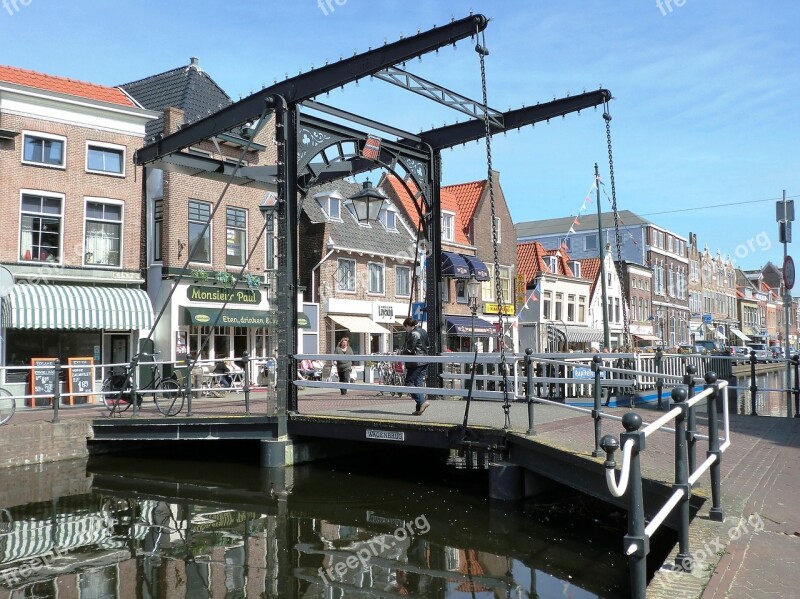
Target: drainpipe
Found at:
318, 264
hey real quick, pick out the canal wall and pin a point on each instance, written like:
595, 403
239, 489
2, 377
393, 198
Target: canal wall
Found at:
40, 483
41, 442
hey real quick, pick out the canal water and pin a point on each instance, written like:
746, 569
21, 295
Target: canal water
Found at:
366, 526
770, 398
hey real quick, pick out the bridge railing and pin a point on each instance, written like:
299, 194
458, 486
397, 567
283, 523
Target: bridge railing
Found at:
686, 473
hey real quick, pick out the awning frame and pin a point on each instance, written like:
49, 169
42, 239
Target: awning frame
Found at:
362, 324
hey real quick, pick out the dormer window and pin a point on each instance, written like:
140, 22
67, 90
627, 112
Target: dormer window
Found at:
575, 267
551, 262
389, 219
331, 205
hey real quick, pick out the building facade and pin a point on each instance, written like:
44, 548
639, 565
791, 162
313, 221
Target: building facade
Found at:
72, 200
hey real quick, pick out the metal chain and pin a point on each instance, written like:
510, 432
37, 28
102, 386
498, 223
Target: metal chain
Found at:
626, 337
482, 52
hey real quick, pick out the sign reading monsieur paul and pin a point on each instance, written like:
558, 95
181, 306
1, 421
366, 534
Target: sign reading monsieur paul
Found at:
196, 293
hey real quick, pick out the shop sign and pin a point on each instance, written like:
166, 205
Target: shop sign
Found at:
508, 309
198, 293
520, 290
382, 312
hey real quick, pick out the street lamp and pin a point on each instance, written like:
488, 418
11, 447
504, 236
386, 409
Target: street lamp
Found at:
367, 203
473, 293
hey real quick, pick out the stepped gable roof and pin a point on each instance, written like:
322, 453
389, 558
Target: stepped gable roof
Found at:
349, 234
395, 190
64, 85
188, 88
560, 226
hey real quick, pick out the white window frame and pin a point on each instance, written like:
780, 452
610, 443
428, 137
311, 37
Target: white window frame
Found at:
98, 200
497, 223
234, 228
398, 277
209, 232
384, 218
106, 146
576, 268
448, 226
37, 192
381, 267
551, 262
49, 136
347, 288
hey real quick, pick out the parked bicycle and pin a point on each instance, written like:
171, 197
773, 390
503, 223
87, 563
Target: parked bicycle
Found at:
8, 405
118, 396
390, 373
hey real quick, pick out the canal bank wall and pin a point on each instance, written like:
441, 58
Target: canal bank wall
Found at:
41, 442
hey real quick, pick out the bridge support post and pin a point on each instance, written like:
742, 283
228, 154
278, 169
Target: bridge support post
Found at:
683, 559
506, 481
715, 513
691, 422
660, 380
753, 384
246, 385
529, 390
637, 543
597, 413
273, 453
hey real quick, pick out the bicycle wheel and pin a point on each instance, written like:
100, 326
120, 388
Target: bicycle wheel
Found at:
170, 400
116, 400
8, 406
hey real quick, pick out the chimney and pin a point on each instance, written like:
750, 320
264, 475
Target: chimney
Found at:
194, 62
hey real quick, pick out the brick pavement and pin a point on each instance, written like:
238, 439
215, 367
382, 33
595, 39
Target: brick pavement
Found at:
760, 479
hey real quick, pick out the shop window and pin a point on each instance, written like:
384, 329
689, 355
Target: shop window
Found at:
461, 291
235, 236
40, 230
199, 233
103, 234
43, 149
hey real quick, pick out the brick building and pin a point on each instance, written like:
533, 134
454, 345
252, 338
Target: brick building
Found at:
71, 198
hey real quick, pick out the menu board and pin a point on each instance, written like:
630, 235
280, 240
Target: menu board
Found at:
81, 378
42, 378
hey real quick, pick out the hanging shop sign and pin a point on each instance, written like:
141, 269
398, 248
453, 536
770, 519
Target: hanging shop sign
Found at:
198, 293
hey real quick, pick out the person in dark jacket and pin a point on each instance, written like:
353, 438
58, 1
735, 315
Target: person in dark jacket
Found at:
344, 365
416, 345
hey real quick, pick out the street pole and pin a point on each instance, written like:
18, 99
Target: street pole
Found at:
785, 214
602, 246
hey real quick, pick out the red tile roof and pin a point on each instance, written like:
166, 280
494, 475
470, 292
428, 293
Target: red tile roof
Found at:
590, 268
395, 190
530, 262
467, 196
63, 85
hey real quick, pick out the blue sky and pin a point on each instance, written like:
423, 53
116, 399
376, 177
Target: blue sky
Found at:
706, 91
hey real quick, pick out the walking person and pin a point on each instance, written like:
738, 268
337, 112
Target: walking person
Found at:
416, 345
344, 366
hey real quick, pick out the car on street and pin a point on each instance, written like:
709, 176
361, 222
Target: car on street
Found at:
777, 352
713, 347
762, 353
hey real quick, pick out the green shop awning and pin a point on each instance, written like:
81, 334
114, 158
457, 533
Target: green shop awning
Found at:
76, 307
229, 317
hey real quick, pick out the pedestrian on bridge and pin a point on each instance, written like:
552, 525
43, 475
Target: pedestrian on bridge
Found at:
416, 345
344, 366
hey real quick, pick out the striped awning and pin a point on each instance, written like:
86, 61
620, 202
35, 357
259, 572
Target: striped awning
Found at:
74, 307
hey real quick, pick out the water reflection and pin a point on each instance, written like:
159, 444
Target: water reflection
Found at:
164, 528
770, 397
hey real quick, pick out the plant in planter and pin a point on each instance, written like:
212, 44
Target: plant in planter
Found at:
201, 276
253, 282
224, 278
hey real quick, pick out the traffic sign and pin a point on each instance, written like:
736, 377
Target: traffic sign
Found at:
418, 311
788, 272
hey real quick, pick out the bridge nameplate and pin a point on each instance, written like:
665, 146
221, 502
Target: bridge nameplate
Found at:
386, 435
